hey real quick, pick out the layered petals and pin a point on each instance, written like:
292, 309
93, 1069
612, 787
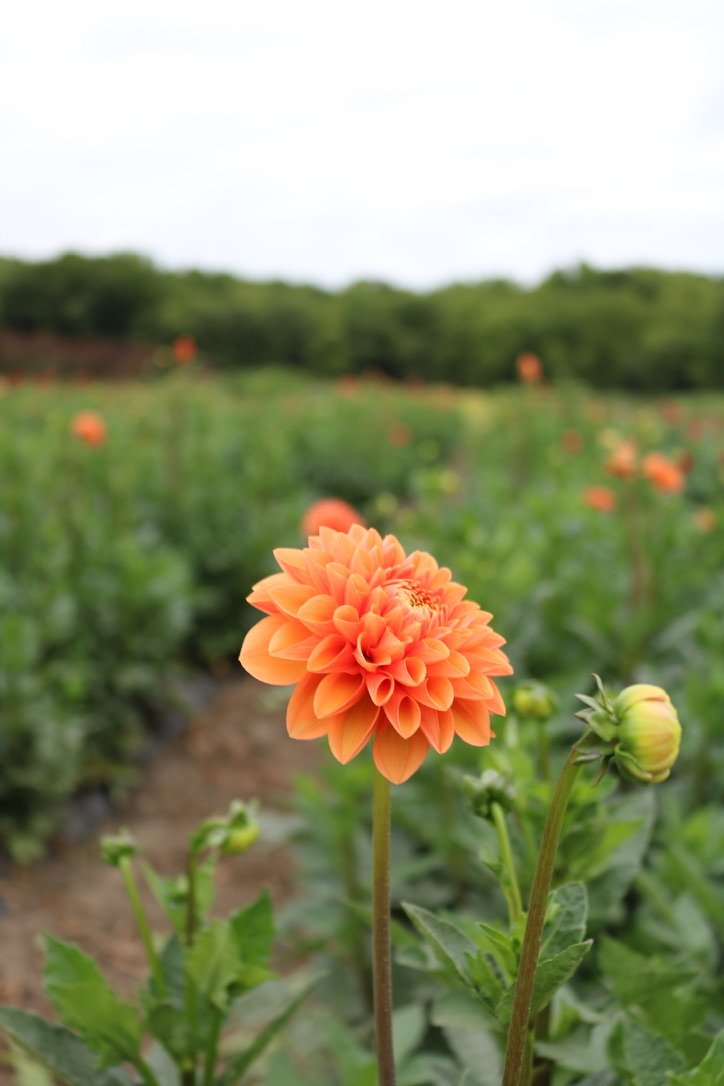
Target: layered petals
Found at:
383, 646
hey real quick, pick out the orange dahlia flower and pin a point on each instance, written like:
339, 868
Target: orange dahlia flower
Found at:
601, 498
529, 368
329, 513
622, 461
663, 473
382, 646
184, 349
88, 426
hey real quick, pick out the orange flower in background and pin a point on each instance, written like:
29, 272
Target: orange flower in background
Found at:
705, 519
623, 460
399, 435
383, 647
601, 498
572, 441
330, 513
663, 473
529, 368
88, 426
184, 349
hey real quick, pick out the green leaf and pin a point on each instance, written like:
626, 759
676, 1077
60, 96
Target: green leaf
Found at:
85, 1002
253, 930
163, 1065
212, 962
501, 946
710, 1071
636, 978
28, 1071
449, 943
647, 1056
60, 1051
242, 1061
408, 1028
550, 976
479, 1053
567, 912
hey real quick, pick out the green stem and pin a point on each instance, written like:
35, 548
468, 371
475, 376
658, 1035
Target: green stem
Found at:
515, 905
188, 1077
142, 924
212, 1044
520, 1023
145, 1072
381, 948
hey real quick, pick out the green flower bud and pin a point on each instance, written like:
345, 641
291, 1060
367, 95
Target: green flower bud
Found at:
649, 733
240, 839
118, 847
489, 788
534, 701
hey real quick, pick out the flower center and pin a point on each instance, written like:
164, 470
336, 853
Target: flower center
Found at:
415, 597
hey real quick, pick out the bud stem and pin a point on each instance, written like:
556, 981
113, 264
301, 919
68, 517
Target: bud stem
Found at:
515, 905
520, 1022
381, 948
142, 925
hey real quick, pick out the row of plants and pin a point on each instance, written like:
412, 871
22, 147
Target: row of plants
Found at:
636, 328
134, 522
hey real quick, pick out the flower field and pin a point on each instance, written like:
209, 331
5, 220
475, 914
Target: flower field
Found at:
135, 519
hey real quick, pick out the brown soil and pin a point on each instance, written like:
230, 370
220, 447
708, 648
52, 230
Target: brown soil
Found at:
234, 748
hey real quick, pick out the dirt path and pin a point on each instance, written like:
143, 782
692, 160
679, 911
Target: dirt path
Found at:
235, 748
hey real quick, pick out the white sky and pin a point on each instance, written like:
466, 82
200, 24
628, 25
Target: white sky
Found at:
323, 140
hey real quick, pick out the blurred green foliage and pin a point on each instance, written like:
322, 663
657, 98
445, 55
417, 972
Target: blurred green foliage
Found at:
637, 328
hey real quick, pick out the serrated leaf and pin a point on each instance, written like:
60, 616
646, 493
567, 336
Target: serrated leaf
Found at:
85, 1002
450, 944
710, 1072
550, 975
60, 1051
568, 911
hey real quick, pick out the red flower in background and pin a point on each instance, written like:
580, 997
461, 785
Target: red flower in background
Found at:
383, 647
88, 426
184, 349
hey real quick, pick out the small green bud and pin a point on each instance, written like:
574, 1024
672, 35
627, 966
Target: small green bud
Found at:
534, 701
118, 847
489, 788
649, 733
230, 835
240, 839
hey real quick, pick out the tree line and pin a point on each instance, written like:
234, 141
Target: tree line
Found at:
635, 328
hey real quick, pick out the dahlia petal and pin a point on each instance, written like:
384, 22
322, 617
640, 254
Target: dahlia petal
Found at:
316, 613
431, 650
349, 731
356, 591
437, 693
438, 728
495, 703
332, 653
255, 657
397, 758
472, 722
336, 692
290, 596
380, 687
407, 717
315, 563
260, 597
337, 577
291, 560
411, 671
346, 620
454, 667
302, 721
475, 686
292, 641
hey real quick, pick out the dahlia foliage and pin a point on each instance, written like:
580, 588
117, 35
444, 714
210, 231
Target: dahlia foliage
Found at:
381, 645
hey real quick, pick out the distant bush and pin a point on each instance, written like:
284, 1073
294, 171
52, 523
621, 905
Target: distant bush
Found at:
636, 328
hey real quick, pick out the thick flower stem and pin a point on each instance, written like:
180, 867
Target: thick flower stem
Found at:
381, 947
520, 1022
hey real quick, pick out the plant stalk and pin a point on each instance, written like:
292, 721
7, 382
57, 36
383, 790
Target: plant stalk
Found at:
515, 905
142, 924
381, 944
520, 1022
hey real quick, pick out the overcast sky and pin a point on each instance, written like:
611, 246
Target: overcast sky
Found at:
324, 140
